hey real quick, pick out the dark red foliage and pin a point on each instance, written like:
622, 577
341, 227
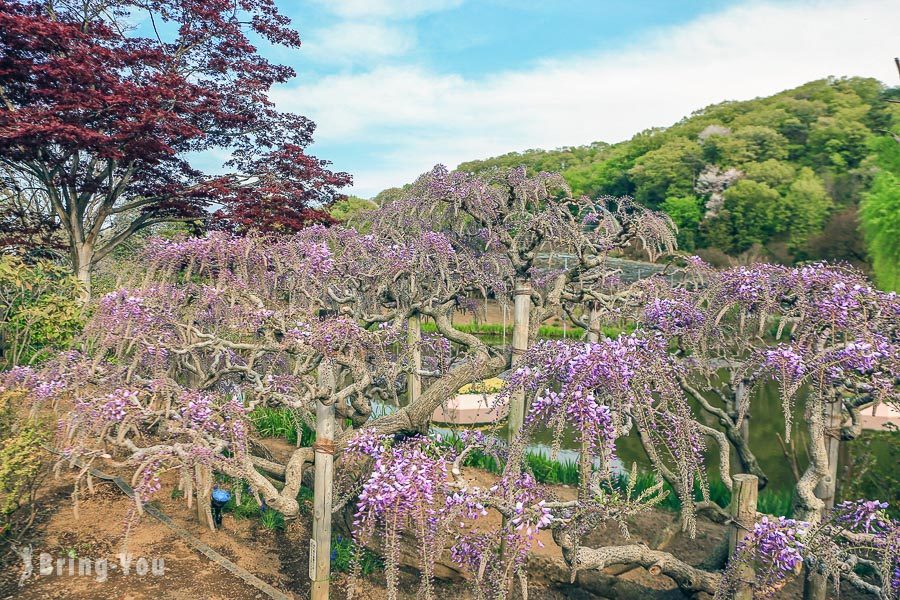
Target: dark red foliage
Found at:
286, 182
104, 113
28, 231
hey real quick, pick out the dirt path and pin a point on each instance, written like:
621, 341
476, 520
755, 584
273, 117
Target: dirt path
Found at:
99, 533
280, 558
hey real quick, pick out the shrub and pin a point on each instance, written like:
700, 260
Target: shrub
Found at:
40, 310
22, 469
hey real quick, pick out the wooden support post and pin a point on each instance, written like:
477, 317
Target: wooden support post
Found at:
414, 339
203, 477
815, 587
743, 518
521, 315
320, 544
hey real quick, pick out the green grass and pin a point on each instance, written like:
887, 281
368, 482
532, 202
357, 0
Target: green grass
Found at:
494, 331
555, 472
772, 502
344, 552
550, 471
247, 509
776, 502
305, 494
272, 519
282, 423
543, 469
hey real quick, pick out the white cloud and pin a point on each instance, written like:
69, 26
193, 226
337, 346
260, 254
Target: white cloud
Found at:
350, 41
413, 118
390, 9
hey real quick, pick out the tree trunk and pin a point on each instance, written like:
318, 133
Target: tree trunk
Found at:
827, 446
521, 314
816, 585
82, 263
593, 334
826, 489
320, 545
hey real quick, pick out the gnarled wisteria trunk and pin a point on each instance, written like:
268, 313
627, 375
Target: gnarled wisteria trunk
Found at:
208, 330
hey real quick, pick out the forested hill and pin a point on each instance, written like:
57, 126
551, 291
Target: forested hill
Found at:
783, 176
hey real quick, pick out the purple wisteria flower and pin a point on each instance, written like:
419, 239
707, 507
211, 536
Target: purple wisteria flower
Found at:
863, 515
778, 543
366, 443
862, 355
786, 364
116, 405
405, 479
752, 287
775, 548
673, 316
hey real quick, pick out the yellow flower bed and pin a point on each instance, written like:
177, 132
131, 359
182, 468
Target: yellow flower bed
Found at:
487, 386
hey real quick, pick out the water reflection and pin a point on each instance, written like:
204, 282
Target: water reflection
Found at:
767, 422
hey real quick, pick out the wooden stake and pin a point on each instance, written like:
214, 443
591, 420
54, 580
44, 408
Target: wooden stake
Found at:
521, 315
203, 475
414, 338
743, 518
320, 545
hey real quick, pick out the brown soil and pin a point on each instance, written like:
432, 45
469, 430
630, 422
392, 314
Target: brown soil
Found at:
280, 558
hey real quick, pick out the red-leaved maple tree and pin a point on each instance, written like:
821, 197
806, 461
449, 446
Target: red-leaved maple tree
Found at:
104, 102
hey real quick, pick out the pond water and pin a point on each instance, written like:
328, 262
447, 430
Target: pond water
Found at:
767, 420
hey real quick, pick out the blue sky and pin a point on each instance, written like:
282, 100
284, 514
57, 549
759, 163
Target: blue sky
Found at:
478, 37
397, 86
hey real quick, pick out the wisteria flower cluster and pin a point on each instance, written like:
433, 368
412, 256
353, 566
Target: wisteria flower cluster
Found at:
785, 363
864, 515
493, 555
777, 548
673, 316
403, 495
595, 389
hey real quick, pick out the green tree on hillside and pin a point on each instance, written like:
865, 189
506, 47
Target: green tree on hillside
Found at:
839, 143
762, 143
756, 212
345, 209
667, 171
776, 174
686, 212
807, 205
806, 157
880, 214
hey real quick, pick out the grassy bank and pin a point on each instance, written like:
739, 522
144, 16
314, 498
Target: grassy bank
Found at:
282, 423
496, 330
